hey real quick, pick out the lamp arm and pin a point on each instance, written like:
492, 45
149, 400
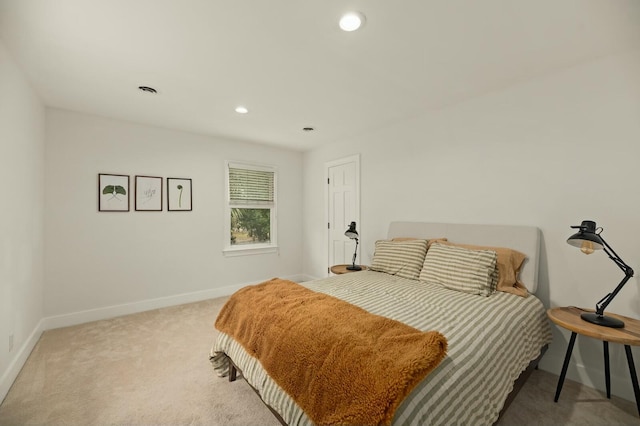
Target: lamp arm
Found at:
355, 253
602, 304
616, 259
628, 273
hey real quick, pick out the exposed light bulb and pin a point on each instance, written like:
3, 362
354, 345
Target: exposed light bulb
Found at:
587, 247
351, 21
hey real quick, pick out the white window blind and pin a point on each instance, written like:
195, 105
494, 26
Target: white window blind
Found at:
249, 186
251, 204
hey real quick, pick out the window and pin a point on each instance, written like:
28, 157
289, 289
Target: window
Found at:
250, 219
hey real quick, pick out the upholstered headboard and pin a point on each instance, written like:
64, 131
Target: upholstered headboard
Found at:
525, 239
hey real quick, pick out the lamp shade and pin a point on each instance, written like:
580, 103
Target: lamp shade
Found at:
351, 232
586, 239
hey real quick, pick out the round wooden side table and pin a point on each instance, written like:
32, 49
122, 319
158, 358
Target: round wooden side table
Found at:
569, 318
342, 269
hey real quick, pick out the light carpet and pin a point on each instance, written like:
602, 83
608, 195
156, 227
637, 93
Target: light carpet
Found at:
152, 368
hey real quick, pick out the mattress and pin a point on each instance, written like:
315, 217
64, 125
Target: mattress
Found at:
491, 341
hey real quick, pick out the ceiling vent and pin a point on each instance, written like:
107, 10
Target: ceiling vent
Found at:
148, 89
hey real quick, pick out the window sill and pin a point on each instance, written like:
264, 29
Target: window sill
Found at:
248, 251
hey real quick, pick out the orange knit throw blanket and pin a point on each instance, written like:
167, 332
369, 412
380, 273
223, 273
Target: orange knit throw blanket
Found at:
340, 363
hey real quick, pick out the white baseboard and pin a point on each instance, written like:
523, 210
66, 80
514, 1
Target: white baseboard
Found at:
106, 312
594, 378
11, 373
304, 278
97, 314
81, 317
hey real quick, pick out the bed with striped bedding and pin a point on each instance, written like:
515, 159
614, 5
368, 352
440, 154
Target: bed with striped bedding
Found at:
491, 341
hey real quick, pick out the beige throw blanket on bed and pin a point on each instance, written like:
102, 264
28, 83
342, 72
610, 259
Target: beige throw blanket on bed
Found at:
341, 364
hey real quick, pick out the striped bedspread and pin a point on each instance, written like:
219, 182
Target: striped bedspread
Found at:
491, 340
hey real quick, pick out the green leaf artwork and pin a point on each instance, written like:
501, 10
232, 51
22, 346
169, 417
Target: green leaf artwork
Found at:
114, 190
180, 197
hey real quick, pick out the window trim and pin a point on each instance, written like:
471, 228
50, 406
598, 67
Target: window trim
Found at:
258, 248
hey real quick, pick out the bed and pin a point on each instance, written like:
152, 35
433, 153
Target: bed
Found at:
492, 341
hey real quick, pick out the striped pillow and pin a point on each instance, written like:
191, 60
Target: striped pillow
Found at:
401, 258
461, 269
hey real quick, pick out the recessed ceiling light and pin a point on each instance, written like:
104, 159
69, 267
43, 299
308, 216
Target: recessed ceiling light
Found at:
148, 89
241, 110
352, 21
308, 129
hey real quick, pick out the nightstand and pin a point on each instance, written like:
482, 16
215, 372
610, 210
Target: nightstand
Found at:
342, 269
569, 318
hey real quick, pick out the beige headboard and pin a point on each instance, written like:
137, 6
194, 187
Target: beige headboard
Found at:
525, 239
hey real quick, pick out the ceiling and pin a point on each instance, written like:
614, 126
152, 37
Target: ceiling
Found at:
288, 62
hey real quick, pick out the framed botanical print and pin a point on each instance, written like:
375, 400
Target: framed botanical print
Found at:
148, 193
179, 196
113, 193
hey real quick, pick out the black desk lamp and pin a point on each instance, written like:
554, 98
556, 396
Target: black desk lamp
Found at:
588, 239
353, 234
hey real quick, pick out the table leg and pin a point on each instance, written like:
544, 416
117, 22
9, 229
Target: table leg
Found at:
567, 358
232, 372
607, 374
634, 377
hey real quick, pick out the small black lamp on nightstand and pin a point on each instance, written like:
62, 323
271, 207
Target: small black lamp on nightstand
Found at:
588, 239
353, 234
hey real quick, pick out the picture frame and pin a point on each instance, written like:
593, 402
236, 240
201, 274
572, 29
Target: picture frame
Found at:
149, 194
113, 192
179, 194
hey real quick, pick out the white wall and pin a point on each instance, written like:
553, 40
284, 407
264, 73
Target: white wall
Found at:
549, 153
21, 218
105, 263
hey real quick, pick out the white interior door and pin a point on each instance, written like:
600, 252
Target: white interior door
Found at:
343, 207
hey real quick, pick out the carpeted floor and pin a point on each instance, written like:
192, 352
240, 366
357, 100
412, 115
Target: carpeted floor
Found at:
152, 368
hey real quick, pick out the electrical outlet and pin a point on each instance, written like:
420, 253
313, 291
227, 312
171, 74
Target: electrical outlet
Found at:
10, 342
